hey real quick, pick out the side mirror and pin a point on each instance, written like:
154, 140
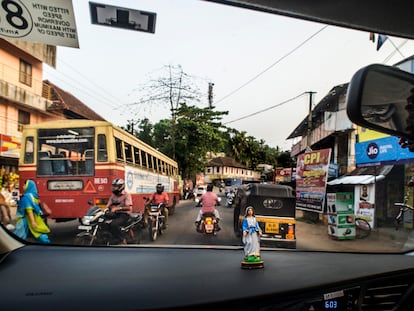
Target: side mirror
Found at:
381, 98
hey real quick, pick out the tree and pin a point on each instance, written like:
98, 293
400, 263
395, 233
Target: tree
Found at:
145, 132
198, 132
173, 89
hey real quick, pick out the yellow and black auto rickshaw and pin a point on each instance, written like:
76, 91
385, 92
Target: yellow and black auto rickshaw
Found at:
274, 207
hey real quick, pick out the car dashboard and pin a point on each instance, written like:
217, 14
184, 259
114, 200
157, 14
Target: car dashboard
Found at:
155, 277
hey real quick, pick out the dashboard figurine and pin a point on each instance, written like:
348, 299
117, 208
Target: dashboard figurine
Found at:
251, 241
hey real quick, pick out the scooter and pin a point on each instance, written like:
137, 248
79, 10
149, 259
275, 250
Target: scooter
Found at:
208, 223
95, 228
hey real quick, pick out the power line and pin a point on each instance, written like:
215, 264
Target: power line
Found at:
267, 109
86, 90
397, 49
272, 65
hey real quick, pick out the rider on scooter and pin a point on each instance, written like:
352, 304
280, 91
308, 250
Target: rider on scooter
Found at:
120, 203
208, 201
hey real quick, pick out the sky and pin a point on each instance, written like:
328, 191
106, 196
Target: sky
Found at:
257, 62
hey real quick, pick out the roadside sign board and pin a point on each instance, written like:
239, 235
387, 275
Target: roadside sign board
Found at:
44, 21
108, 15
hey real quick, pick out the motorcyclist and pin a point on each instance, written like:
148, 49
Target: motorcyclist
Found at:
120, 204
161, 197
208, 201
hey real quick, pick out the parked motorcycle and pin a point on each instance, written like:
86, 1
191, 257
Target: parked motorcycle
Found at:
95, 228
156, 220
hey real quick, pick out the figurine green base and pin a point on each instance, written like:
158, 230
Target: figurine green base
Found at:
252, 262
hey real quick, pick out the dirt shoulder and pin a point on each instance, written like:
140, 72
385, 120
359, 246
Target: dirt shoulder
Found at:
314, 236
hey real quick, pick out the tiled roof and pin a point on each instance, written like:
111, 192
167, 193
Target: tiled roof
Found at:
71, 106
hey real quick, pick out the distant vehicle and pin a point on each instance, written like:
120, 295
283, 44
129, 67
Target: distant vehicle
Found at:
231, 184
200, 190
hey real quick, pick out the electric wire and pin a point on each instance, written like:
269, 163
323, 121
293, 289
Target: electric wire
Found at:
273, 64
266, 109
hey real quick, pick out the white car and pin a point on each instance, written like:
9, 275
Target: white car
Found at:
200, 190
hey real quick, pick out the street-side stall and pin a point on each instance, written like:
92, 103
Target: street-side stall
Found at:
362, 190
341, 218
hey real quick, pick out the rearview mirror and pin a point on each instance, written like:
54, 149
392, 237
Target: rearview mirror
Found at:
381, 98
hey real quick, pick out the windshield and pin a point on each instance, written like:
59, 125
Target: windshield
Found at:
193, 93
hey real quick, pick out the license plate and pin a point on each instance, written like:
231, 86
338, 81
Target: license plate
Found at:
272, 227
209, 227
81, 227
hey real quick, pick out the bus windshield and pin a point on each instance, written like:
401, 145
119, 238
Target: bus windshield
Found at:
65, 152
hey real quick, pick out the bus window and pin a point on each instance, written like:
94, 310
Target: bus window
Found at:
150, 162
102, 149
58, 150
119, 153
144, 159
137, 156
29, 150
89, 162
44, 165
128, 153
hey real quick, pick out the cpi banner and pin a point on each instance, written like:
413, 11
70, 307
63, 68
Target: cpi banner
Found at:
44, 21
311, 177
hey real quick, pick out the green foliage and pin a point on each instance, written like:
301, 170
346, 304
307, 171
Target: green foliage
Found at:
193, 132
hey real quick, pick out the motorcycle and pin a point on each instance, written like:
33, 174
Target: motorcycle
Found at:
156, 221
95, 228
208, 223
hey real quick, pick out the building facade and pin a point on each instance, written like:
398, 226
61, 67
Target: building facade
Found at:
26, 99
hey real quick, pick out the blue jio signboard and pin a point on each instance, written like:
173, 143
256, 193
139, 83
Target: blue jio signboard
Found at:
382, 151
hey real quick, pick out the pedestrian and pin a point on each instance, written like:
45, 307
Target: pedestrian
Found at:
251, 236
29, 221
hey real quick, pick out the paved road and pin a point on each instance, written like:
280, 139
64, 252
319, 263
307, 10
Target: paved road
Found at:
181, 231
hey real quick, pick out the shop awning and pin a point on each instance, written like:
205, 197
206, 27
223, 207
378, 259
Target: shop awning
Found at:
363, 176
356, 180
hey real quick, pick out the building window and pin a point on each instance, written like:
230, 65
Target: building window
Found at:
25, 74
24, 118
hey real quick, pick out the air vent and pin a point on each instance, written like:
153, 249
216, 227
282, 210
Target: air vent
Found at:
383, 296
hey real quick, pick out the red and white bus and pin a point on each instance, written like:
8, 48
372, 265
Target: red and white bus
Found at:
74, 162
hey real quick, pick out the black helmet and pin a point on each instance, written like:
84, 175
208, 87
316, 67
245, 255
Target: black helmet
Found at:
160, 188
210, 187
117, 186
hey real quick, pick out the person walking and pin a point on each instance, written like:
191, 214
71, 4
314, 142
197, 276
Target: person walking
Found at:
29, 221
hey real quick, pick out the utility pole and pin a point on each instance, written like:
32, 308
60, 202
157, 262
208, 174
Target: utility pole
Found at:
210, 95
130, 126
309, 129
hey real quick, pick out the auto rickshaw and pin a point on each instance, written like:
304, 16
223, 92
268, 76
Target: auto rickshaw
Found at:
274, 207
